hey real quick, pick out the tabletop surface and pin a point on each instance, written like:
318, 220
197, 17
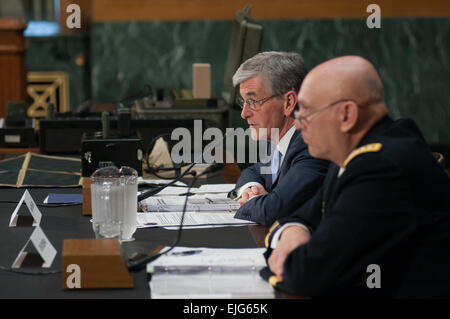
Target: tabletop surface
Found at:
59, 223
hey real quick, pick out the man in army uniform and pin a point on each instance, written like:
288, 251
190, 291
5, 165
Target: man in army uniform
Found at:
384, 206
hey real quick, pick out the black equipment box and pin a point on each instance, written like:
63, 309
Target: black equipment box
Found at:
18, 136
63, 135
120, 151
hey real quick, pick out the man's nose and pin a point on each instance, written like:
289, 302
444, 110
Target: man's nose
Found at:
246, 111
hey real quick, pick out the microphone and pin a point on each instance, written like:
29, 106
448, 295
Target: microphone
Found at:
210, 169
214, 167
135, 265
155, 191
176, 167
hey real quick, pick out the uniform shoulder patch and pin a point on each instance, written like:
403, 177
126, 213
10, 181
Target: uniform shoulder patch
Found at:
373, 147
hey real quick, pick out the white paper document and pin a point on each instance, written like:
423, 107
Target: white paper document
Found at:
171, 220
209, 259
174, 190
210, 286
197, 203
199, 272
215, 188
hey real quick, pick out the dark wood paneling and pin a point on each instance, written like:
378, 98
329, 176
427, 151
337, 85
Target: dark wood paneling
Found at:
12, 63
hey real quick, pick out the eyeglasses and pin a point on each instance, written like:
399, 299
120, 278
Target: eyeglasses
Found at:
306, 119
252, 104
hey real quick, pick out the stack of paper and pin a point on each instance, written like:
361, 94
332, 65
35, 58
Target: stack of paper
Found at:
209, 197
215, 188
196, 203
207, 206
209, 273
171, 220
173, 191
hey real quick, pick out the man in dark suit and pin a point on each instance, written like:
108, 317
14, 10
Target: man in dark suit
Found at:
380, 225
268, 85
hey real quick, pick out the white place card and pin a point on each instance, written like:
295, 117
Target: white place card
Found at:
32, 207
43, 246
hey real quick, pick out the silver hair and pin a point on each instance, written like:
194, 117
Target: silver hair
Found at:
281, 71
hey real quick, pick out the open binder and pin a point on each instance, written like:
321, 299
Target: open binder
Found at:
209, 273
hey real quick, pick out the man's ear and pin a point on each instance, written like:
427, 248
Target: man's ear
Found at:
348, 115
290, 103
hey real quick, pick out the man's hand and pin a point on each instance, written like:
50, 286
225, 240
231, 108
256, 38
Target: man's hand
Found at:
250, 192
291, 238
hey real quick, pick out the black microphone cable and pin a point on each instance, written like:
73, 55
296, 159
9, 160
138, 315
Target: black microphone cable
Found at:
154, 170
155, 191
134, 265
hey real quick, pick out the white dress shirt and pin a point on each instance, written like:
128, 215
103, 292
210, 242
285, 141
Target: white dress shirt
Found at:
282, 146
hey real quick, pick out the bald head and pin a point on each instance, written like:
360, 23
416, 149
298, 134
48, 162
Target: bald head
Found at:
349, 77
348, 93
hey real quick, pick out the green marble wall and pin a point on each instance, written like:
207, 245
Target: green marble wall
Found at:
412, 56
59, 53
127, 55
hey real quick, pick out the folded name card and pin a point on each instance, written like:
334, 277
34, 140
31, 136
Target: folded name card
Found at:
32, 208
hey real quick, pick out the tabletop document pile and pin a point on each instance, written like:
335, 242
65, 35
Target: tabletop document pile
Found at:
187, 272
207, 206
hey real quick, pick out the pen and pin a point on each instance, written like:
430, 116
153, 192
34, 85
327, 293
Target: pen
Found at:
186, 253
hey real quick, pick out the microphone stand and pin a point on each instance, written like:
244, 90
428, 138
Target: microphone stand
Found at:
176, 167
135, 265
152, 192
157, 190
